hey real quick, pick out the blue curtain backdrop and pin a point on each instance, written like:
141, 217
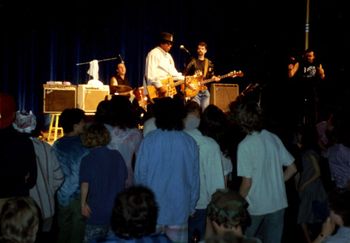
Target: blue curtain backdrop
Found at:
44, 41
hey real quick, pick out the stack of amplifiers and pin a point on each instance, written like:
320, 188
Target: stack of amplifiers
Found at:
90, 96
59, 97
222, 95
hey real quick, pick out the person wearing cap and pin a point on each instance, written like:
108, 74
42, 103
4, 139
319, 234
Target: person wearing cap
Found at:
49, 173
18, 171
160, 65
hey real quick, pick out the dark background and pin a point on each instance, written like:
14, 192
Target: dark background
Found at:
44, 41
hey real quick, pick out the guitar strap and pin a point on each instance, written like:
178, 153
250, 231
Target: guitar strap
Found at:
206, 66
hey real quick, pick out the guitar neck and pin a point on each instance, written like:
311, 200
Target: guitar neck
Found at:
231, 74
212, 79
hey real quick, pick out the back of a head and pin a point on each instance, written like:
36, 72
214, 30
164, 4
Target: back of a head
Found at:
135, 213
19, 220
248, 115
169, 113
193, 107
228, 208
96, 134
213, 121
69, 117
122, 113
102, 112
7, 110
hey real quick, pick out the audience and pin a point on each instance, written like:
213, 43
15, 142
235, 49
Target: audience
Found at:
49, 173
211, 172
19, 220
336, 229
18, 170
69, 151
134, 218
168, 163
102, 176
264, 164
227, 213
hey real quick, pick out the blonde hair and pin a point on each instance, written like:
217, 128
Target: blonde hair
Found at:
95, 135
19, 220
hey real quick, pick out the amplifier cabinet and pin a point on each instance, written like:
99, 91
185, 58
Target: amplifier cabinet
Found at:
90, 96
222, 95
59, 97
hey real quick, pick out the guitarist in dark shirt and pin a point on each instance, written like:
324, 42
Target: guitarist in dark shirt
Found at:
202, 68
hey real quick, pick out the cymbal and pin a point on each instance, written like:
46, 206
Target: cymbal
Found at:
122, 88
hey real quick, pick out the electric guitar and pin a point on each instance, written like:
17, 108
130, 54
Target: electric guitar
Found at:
194, 84
169, 85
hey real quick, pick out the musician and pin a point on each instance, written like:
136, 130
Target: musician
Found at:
160, 64
119, 78
202, 67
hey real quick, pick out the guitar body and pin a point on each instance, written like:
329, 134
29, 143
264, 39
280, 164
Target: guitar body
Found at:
169, 85
194, 84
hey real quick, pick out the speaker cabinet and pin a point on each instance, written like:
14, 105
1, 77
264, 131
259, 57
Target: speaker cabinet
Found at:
90, 96
59, 97
222, 95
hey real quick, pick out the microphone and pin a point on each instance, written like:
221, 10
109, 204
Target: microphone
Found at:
182, 47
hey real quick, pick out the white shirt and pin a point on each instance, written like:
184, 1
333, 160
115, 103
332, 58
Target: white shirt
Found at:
160, 65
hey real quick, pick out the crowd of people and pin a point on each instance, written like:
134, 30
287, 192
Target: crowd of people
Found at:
185, 171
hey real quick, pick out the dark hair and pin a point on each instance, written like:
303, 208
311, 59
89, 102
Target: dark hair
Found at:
339, 201
102, 112
202, 43
69, 117
248, 115
228, 208
193, 106
121, 113
135, 213
169, 113
19, 220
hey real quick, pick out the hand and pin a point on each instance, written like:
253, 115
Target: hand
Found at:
162, 91
85, 210
216, 79
328, 227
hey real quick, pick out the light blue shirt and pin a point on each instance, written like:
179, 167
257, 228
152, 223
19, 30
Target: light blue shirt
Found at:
168, 163
342, 236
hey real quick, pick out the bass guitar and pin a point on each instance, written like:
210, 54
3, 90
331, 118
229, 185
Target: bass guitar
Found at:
194, 84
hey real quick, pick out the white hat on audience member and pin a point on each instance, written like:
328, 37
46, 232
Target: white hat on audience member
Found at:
25, 122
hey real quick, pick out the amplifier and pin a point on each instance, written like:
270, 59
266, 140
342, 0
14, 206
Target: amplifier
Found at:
90, 96
222, 95
59, 97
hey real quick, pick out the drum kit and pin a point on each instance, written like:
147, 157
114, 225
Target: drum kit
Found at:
137, 93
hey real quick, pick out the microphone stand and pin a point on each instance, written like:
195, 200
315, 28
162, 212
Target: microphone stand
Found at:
102, 60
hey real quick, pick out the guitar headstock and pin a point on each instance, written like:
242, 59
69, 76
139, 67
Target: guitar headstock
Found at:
235, 73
